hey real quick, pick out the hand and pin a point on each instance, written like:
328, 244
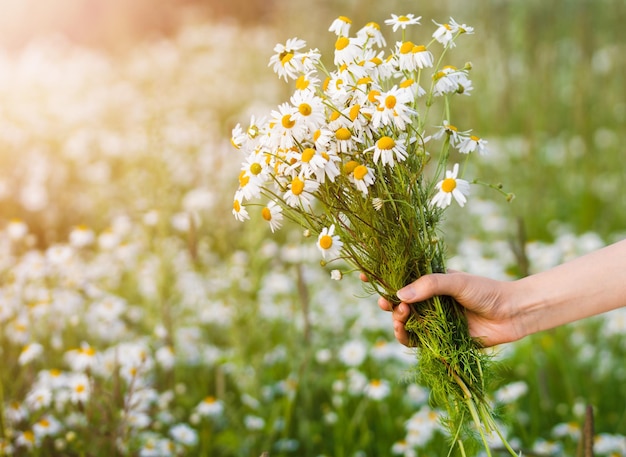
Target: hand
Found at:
490, 314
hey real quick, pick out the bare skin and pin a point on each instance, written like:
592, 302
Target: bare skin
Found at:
504, 311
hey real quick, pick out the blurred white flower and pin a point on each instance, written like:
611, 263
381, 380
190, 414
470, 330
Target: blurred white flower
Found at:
353, 353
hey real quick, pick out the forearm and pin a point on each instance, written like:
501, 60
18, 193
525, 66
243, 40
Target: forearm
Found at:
589, 285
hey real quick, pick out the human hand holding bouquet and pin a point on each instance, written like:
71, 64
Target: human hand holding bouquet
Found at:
356, 157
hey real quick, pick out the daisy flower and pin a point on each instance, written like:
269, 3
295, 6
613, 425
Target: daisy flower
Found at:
392, 108
371, 32
307, 82
386, 148
300, 192
473, 143
444, 34
402, 21
377, 389
460, 28
456, 137
450, 187
412, 56
309, 109
239, 211
347, 50
287, 129
273, 214
328, 243
341, 26
286, 62
363, 176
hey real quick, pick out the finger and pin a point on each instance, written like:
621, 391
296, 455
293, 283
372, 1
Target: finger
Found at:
430, 285
400, 316
364, 277
385, 305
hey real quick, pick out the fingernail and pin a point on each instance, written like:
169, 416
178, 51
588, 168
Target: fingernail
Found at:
405, 294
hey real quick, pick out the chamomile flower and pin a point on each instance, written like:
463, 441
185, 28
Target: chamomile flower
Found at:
300, 192
377, 389
345, 141
450, 187
286, 61
286, 128
341, 26
362, 177
386, 149
348, 49
403, 21
307, 82
328, 243
273, 214
309, 109
460, 28
456, 137
412, 56
393, 108
29, 353
473, 143
371, 33
444, 34
210, 407
239, 211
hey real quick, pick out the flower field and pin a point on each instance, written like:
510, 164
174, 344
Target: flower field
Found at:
138, 317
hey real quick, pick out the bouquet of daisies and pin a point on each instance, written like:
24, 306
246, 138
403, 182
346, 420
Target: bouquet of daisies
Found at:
360, 155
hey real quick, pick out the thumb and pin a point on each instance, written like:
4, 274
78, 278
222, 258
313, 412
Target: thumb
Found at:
430, 285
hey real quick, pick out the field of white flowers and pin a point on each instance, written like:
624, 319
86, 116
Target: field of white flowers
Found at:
138, 318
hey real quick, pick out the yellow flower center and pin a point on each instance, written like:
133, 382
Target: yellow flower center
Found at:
243, 179
285, 57
418, 48
287, 122
350, 166
345, 19
354, 111
403, 19
448, 185
386, 143
407, 83
302, 83
305, 109
341, 43
474, 138
325, 156
371, 96
307, 155
374, 25
210, 400
406, 47
29, 436
266, 213
334, 116
390, 102
297, 186
325, 83
343, 134
364, 80
326, 241
451, 128
256, 168
236, 206
360, 172
80, 388
376, 60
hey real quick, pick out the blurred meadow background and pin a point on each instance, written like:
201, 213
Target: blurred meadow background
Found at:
138, 317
